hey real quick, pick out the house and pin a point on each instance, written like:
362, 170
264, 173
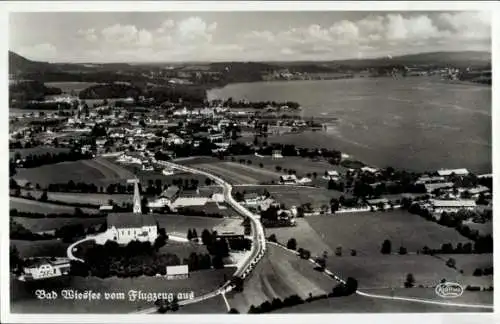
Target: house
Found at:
167, 172
430, 187
475, 192
252, 198
427, 179
449, 172
288, 179
105, 208
44, 268
449, 206
277, 154
369, 170
126, 227
377, 202
331, 175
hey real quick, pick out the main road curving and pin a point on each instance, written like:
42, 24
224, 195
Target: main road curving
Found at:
259, 240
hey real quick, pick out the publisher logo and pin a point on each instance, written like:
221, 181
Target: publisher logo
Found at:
449, 290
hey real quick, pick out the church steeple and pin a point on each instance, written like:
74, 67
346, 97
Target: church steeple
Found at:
137, 196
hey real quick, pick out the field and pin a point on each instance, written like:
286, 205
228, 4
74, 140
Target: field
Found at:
468, 263
98, 171
361, 304
68, 87
303, 166
40, 248
200, 282
48, 224
366, 231
236, 173
36, 151
279, 275
296, 196
305, 236
32, 206
82, 198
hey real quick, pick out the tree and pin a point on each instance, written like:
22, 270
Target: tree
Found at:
174, 305
233, 311
272, 238
44, 196
451, 263
477, 272
338, 251
386, 247
206, 237
410, 281
189, 235
194, 233
353, 253
402, 250
291, 244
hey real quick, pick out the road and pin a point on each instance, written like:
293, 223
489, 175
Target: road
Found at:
259, 240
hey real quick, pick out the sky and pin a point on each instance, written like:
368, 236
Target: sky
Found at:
104, 37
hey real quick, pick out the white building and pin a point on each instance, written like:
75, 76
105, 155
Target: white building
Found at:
277, 154
331, 175
457, 172
288, 179
126, 227
44, 268
449, 206
369, 170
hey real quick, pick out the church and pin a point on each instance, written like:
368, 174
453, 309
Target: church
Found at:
126, 227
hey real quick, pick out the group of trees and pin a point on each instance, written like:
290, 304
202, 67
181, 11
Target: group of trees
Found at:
36, 160
483, 272
192, 234
275, 304
482, 243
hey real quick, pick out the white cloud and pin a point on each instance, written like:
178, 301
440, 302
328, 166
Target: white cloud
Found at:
88, 34
194, 38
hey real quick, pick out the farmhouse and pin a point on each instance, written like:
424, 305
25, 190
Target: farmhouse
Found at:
252, 198
43, 268
376, 202
331, 175
475, 192
449, 206
277, 154
427, 179
430, 187
369, 170
449, 172
288, 179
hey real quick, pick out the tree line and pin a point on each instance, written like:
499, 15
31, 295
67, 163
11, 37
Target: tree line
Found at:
36, 160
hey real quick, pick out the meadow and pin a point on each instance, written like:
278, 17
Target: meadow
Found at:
32, 206
40, 248
366, 231
278, 275
98, 171
49, 224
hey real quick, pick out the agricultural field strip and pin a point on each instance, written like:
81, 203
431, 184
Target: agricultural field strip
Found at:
253, 169
416, 300
17, 203
227, 174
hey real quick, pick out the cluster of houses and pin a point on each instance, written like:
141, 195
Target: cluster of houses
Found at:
446, 196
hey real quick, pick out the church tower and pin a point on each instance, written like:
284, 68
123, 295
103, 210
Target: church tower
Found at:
137, 196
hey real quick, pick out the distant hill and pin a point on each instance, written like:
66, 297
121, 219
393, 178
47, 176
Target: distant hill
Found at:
439, 59
18, 64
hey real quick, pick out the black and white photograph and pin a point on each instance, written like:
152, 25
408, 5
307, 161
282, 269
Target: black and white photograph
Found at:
180, 162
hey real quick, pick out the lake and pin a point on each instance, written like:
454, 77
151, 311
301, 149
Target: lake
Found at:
416, 123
